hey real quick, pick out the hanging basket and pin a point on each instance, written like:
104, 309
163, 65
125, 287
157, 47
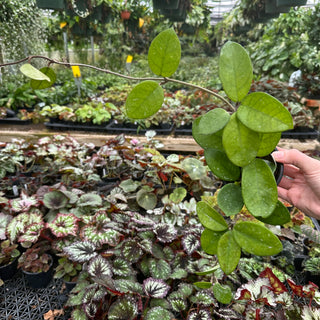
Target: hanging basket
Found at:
271, 7
52, 4
166, 4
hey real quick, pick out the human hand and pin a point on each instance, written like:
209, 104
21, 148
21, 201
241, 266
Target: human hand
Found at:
300, 184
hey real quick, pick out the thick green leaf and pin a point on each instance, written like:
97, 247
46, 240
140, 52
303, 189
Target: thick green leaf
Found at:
256, 239
279, 216
33, 73
259, 188
43, 84
222, 293
240, 143
235, 71
213, 121
194, 168
229, 252
146, 200
164, 53
144, 100
230, 199
268, 142
213, 140
209, 240
263, 113
203, 284
220, 165
210, 218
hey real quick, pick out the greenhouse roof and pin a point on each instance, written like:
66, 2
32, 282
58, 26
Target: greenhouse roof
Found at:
220, 7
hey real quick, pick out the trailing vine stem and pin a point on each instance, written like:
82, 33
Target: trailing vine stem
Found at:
163, 80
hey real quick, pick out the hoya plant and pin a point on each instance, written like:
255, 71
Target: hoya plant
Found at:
236, 138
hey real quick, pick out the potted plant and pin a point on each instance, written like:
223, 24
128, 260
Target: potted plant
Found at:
8, 259
36, 264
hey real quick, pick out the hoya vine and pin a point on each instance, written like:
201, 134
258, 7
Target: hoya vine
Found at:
235, 140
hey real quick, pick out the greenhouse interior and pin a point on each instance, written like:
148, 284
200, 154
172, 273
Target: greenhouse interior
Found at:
159, 159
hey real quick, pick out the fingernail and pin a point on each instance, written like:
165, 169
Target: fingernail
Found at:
278, 155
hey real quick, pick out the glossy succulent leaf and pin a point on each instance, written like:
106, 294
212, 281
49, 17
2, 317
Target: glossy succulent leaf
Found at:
213, 121
155, 288
220, 165
43, 84
165, 232
230, 199
159, 269
203, 284
123, 308
146, 200
235, 70
213, 140
256, 239
63, 225
194, 167
30, 71
229, 252
157, 313
164, 53
209, 240
144, 100
210, 218
259, 188
81, 251
279, 216
222, 293
55, 200
263, 113
268, 142
99, 267
240, 143
190, 242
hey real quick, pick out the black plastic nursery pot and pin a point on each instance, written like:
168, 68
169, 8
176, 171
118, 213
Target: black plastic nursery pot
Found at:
9, 270
52, 4
39, 279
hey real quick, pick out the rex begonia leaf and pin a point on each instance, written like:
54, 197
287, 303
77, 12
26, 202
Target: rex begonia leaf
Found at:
259, 188
279, 216
4, 221
90, 200
201, 314
157, 313
230, 199
164, 53
99, 267
81, 251
178, 304
204, 297
101, 235
121, 268
43, 84
155, 288
55, 200
159, 269
228, 252
210, 218
63, 225
263, 113
235, 70
240, 143
220, 165
165, 232
131, 251
31, 72
128, 286
190, 242
256, 239
144, 100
